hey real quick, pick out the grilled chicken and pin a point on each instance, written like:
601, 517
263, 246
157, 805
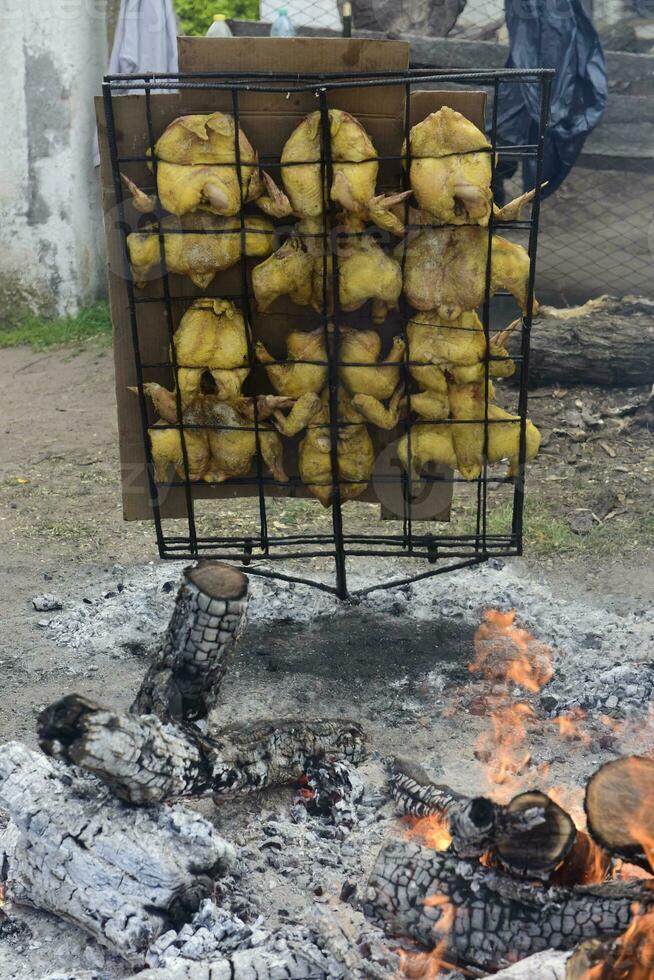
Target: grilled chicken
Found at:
199, 256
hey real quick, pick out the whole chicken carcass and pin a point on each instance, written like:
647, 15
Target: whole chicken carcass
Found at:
221, 442
301, 377
429, 444
300, 268
199, 256
167, 450
355, 453
288, 272
212, 336
467, 402
362, 347
450, 171
355, 169
457, 347
445, 270
305, 369
197, 169
233, 440
365, 272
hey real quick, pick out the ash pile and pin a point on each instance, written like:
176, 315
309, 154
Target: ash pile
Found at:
185, 846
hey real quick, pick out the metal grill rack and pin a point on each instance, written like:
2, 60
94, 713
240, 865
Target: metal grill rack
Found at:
441, 552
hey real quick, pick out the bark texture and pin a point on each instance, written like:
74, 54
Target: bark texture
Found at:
124, 875
184, 679
530, 836
145, 761
607, 342
496, 918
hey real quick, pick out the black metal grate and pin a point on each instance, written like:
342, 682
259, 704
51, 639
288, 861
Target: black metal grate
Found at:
443, 551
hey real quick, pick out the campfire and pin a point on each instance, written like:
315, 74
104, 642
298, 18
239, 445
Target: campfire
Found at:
551, 877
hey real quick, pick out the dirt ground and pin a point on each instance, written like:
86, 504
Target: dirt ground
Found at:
61, 522
61, 532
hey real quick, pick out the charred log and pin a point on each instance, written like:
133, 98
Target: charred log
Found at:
608, 342
184, 678
530, 836
619, 804
123, 875
495, 917
145, 761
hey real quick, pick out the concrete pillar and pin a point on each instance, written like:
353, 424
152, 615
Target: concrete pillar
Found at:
54, 56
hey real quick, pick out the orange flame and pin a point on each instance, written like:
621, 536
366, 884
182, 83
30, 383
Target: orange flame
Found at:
432, 831
428, 966
506, 652
570, 729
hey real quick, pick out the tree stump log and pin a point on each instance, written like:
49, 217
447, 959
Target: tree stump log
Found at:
122, 874
607, 342
184, 679
494, 917
145, 761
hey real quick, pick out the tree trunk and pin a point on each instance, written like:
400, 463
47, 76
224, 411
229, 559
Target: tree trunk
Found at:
434, 18
145, 761
124, 875
184, 679
494, 917
607, 342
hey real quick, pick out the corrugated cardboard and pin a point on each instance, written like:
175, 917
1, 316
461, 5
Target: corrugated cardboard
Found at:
267, 120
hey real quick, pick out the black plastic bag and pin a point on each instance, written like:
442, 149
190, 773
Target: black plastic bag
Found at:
552, 34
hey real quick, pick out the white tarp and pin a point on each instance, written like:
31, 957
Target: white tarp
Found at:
146, 40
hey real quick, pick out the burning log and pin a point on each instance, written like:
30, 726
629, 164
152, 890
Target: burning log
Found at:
184, 678
124, 875
145, 761
530, 836
619, 805
495, 917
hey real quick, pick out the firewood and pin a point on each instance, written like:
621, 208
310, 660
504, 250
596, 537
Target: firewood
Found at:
145, 761
122, 874
184, 678
496, 917
619, 805
530, 836
549, 965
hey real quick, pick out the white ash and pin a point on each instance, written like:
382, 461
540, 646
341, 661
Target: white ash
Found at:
47, 603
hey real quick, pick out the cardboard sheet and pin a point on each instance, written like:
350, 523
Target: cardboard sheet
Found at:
267, 120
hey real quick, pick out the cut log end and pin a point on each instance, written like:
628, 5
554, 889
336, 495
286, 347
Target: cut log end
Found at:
217, 580
536, 852
619, 804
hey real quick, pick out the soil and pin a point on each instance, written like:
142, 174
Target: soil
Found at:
588, 574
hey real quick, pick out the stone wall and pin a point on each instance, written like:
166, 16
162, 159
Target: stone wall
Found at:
54, 56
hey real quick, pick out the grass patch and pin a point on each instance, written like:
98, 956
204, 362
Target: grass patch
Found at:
92, 323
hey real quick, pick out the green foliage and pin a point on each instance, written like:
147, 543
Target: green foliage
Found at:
41, 333
196, 16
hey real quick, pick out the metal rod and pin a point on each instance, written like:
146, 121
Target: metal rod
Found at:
330, 249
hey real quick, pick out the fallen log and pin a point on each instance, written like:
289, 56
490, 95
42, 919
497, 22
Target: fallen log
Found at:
145, 761
607, 342
183, 681
619, 803
495, 917
530, 836
124, 875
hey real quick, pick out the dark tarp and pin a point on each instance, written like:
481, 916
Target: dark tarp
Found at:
552, 34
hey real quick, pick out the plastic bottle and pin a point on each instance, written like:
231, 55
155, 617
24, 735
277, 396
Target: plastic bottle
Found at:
220, 27
283, 25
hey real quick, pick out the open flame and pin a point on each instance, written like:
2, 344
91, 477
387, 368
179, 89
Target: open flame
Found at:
509, 658
428, 966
